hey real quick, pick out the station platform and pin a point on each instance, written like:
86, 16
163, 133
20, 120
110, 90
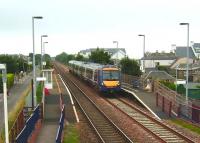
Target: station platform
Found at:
148, 99
52, 112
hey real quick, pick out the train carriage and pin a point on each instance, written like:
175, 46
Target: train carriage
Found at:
105, 77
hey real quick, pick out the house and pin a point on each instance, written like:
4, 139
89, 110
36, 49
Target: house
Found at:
151, 60
194, 51
194, 72
116, 53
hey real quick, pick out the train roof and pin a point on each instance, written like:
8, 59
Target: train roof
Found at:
89, 65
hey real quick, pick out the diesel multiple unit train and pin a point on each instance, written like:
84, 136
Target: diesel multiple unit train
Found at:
105, 77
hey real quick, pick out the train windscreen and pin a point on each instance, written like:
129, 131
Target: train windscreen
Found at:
111, 75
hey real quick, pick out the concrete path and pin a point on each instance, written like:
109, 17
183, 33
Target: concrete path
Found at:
148, 99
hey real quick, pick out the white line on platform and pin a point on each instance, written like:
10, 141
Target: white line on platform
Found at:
142, 102
72, 102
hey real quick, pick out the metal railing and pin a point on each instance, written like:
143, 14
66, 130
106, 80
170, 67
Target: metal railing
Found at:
29, 126
61, 126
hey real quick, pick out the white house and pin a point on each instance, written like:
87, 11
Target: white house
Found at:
150, 61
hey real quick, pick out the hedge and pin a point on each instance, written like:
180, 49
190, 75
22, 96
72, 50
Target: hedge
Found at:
10, 82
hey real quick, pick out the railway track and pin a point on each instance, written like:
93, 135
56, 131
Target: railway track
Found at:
150, 124
105, 129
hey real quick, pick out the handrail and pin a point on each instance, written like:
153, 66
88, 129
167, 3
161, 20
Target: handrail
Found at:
29, 126
61, 126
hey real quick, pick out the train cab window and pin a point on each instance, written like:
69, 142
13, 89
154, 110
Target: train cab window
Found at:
111, 75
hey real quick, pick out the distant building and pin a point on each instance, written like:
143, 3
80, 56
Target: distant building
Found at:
194, 51
115, 53
194, 71
152, 60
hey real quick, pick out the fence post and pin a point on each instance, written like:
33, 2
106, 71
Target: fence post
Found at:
170, 108
163, 103
156, 99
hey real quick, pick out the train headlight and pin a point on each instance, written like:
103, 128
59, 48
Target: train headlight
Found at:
102, 84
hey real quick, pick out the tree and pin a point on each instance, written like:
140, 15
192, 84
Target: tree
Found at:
130, 67
79, 57
64, 57
100, 56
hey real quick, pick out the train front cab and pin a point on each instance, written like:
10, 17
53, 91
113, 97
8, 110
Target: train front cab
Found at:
109, 80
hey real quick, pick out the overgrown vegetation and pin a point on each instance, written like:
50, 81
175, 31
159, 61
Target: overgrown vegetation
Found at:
130, 67
39, 92
187, 125
71, 134
10, 82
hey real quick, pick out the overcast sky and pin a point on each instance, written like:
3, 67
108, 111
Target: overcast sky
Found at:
74, 25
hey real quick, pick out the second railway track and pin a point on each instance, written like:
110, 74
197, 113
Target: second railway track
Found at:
105, 129
156, 128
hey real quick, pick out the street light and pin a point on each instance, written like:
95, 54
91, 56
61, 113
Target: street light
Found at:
187, 68
34, 75
44, 49
4, 78
142, 35
117, 50
41, 49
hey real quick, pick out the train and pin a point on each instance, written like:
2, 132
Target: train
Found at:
107, 78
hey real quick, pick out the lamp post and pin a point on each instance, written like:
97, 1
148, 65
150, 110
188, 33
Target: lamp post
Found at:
142, 35
4, 78
187, 68
117, 50
44, 49
34, 75
41, 50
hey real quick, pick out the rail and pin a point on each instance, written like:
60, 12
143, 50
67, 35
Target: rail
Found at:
29, 126
95, 115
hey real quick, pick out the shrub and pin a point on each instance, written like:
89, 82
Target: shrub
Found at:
168, 84
10, 81
39, 92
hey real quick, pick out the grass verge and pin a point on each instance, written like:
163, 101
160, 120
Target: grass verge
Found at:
71, 134
186, 125
12, 115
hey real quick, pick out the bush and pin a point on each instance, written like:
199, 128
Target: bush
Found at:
168, 84
39, 92
10, 82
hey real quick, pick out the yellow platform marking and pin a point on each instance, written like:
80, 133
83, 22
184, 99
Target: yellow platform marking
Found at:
57, 85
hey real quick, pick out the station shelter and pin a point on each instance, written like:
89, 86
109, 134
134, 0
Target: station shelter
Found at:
47, 73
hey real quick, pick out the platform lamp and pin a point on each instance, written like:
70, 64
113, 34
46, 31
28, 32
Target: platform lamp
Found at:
117, 51
44, 49
34, 74
142, 35
187, 68
4, 78
41, 51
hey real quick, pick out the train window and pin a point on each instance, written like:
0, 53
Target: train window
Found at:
110, 75
95, 75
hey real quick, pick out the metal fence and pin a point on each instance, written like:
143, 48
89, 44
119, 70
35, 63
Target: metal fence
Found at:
61, 126
188, 109
29, 126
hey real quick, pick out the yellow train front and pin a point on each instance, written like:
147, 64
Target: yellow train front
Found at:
105, 77
109, 79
